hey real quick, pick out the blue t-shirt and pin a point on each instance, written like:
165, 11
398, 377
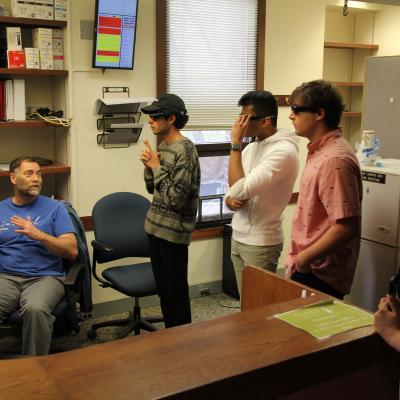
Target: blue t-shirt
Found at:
20, 255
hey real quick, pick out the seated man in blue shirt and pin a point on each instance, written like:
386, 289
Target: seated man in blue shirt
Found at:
36, 232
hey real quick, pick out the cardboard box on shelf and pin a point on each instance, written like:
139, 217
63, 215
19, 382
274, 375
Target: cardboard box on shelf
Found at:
32, 59
45, 9
23, 9
15, 59
61, 10
42, 38
46, 58
58, 59
14, 38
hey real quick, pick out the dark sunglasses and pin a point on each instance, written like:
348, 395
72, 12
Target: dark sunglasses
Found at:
159, 115
298, 109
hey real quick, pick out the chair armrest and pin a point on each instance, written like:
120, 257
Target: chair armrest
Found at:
97, 245
72, 274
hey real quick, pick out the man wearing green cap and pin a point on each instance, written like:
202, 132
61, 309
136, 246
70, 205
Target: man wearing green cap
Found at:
172, 175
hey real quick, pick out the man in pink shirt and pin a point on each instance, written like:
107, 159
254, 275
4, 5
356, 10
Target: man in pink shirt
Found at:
326, 228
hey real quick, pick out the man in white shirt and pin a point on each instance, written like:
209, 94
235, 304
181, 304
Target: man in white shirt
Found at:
261, 178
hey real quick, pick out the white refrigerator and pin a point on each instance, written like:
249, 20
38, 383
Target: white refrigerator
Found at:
379, 257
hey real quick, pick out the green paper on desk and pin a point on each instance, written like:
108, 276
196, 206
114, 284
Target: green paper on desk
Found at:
327, 318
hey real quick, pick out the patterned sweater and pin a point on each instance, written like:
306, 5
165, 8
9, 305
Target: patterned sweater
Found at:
175, 186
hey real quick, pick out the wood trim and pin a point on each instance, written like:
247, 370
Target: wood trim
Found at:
282, 100
33, 72
348, 84
87, 223
294, 198
340, 45
161, 44
261, 11
351, 114
208, 233
32, 22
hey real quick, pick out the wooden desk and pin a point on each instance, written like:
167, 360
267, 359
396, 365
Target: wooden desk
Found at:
241, 356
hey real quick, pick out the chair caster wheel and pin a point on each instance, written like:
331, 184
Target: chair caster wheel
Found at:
92, 334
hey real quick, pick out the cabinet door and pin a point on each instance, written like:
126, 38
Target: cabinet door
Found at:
380, 210
382, 103
376, 265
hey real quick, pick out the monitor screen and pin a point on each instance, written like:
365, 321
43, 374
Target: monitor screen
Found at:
114, 33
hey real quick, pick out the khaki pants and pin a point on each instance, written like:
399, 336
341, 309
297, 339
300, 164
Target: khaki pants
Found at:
36, 299
260, 256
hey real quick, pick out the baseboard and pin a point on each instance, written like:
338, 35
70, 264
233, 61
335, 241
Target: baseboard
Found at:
124, 305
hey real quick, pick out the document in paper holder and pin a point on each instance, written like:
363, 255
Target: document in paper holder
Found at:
327, 318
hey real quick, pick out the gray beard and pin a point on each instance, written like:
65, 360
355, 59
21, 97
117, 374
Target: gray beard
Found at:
31, 192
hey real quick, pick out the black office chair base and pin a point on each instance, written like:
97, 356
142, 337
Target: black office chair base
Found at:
128, 325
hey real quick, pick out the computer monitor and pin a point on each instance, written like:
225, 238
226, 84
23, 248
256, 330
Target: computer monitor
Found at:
114, 34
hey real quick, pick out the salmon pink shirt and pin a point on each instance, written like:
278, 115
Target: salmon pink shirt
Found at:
330, 190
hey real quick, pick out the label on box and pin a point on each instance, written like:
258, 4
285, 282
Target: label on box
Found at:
15, 59
23, 8
46, 59
32, 59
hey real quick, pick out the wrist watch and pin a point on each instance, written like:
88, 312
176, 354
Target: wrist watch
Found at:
236, 146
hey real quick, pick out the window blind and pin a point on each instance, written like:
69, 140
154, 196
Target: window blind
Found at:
211, 50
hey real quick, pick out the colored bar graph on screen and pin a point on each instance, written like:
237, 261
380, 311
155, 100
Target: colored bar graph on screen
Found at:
109, 40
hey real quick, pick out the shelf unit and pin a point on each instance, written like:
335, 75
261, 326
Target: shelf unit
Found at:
348, 41
47, 170
44, 88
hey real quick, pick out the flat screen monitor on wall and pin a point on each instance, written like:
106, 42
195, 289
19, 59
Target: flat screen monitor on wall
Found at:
114, 34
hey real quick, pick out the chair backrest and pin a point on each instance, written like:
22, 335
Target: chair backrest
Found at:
118, 222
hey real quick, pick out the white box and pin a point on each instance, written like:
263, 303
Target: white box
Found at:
19, 100
61, 10
23, 8
45, 9
14, 39
46, 58
32, 59
58, 59
58, 39
42, 38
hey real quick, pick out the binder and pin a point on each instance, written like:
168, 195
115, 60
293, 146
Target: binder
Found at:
19, 99
9, 99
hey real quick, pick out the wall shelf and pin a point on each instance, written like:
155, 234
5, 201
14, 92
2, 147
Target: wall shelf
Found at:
33, 72
339, 45
26, 124
351, 114
55, 168
348, 84
32, 22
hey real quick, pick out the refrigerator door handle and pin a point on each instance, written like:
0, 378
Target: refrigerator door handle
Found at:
383, 229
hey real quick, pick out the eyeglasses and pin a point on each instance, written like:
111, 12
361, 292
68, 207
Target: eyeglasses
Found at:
159, 115
298, 109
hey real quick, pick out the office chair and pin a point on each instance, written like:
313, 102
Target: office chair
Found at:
118, 224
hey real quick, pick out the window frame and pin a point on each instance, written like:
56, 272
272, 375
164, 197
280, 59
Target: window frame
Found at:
214, 149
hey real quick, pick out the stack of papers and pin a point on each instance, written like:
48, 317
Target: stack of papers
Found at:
327, 318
